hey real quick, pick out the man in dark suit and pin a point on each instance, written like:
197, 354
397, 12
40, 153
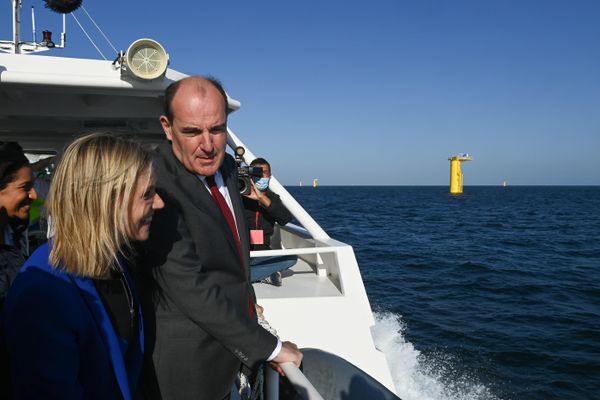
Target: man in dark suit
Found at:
206, 325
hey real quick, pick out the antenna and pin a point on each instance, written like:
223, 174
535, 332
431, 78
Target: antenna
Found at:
63, 34
16, 46
16, 26
33, 24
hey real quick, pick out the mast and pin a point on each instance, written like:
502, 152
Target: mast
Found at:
16, 12
15, 45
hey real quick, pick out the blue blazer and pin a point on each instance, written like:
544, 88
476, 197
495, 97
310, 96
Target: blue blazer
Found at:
60, 341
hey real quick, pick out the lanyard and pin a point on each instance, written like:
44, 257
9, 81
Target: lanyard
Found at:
256, 223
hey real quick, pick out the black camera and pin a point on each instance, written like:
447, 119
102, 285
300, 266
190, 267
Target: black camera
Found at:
245, 173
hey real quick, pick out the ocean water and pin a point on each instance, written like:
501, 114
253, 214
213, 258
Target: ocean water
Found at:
493, 294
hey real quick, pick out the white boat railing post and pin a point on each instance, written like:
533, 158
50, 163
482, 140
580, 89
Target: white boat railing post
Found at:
288, 201
300, 382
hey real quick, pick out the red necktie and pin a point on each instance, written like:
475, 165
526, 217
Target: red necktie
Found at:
220, 200
222, 203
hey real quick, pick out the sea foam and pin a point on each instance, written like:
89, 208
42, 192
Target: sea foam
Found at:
417, 377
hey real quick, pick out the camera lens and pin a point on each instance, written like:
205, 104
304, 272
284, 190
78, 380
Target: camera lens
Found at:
244, 185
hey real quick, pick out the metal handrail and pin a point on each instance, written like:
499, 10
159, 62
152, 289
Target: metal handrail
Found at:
300, 382
294, 252
303, 387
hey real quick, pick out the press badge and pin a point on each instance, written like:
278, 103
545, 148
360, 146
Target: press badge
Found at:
257, 236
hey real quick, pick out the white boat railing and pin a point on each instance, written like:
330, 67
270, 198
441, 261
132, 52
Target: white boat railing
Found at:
293, 252
303, 387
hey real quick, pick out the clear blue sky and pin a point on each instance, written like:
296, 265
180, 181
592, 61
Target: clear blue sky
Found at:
382, 92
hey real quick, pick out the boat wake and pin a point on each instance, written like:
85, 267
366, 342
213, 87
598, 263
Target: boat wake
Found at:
417, 377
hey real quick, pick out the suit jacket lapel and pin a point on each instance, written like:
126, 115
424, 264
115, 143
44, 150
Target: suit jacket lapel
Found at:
91, 297
194, 189
191, 185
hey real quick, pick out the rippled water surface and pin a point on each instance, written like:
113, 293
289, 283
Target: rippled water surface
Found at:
491, 294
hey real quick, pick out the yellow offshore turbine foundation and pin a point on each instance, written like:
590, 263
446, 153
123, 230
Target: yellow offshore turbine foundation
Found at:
456, 176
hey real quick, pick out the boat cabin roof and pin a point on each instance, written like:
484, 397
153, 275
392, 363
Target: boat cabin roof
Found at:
46, 101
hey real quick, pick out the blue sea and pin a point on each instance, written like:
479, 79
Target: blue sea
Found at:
492, 294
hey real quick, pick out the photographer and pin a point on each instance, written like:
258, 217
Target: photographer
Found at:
263, 209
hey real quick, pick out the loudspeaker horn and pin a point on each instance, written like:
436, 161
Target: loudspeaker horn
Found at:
146, 59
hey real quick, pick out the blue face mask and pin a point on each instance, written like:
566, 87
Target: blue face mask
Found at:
262, 184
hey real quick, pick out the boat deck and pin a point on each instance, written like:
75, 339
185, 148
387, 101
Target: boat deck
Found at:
298, 281
322, 303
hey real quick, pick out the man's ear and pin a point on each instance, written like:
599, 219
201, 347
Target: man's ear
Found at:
166, 125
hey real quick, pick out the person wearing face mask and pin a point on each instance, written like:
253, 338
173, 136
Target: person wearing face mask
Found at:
263, 209
16, 196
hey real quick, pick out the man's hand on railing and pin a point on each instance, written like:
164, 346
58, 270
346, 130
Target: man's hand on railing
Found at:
259, 310
289, 353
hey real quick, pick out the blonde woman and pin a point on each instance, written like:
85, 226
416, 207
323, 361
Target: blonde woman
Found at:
72, 321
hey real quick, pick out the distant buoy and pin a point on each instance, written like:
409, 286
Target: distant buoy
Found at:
456, 176
314, 183
503, 183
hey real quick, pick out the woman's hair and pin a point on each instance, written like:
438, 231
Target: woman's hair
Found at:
12, 160
88, 202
